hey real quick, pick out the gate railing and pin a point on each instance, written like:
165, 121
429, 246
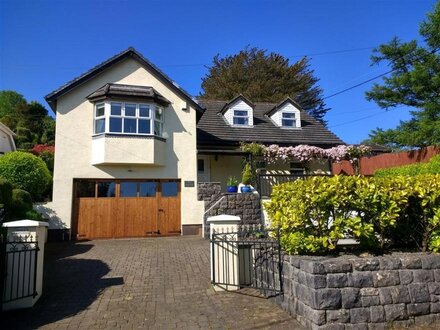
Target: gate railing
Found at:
247, 256
18, 267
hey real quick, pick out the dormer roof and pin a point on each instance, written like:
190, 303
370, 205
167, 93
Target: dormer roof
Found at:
281, 104
240, 97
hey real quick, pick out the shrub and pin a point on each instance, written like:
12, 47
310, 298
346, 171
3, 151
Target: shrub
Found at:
432, 167
26, 171
21, 202
247, 175
39, 148
48, 158
313, 214
5, 192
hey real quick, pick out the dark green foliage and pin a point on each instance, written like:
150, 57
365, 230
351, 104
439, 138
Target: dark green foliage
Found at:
5, 192
48, 158
414, 82
21, 202
264, 77
26, 171
30, 121
432, 167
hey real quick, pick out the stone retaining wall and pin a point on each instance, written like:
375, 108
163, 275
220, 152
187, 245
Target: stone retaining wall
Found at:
208, 191
350, 292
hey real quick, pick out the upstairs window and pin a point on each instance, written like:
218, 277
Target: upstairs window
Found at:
241, 117
288, 119
129, 118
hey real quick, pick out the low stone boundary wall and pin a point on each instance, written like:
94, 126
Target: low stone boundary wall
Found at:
349, 292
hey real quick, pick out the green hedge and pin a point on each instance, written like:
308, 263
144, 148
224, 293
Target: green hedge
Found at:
381, 213
432, 167
26, 171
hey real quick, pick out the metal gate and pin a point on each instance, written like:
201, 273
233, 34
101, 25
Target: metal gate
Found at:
18, 268
247, 257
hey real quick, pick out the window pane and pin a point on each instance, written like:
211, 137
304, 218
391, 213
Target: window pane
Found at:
240, 113
99, 110
106, 189
128, 189
240, 120
144, 126
85, 188
157, 128
147, 189
159, 114
288, 115
130, 110
288, 122
115, 125
100, 125
144, 111
201, 165
129, 125
116, 109
169, 189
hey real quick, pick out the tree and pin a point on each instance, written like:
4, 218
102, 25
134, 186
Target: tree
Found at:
264, 77
414, 82
9, 101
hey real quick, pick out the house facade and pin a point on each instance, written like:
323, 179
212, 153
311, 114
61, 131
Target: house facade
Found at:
132, 146
7, 143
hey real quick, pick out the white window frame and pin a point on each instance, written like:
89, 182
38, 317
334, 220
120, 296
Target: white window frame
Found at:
294, 119
159, 121
240, 116
137, 117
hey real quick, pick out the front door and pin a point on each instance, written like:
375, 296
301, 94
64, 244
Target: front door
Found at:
203, 168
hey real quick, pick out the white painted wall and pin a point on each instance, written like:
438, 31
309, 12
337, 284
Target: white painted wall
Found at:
277, 116
239, 105
73, 150
6, 140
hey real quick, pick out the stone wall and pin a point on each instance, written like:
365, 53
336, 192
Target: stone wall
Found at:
208, 191
350, 292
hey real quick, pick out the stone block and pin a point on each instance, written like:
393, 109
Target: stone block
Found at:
437, 275
431, 261
377, 314
377, 326
360, 315
338, 280
389, 263
338, 316
340, 266
434, 288
424, 320
365, 292
410, 262
423, 276
325, 298
329, 326
395, 312
361, 279
418, 309
386, 278
370, 301
302, 277
361, 264
315, 316
435, 307
406, 276
400, 294
316, 281
294, 261
385, 296
312, 267
419, 292
357, 326
351, 298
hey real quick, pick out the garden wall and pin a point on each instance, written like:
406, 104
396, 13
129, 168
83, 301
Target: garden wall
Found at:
350, 292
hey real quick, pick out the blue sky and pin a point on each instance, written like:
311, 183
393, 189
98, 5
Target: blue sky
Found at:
43, 44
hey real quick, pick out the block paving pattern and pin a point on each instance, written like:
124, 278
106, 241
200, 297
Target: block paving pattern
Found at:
154, 283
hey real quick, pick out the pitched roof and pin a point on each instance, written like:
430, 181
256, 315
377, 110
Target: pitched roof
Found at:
130, 91
235, 99
279, 105
128, 53
6, 129
213, 130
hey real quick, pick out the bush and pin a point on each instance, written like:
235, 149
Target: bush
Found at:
313, 214
432, 167
26, 171
21, 202
247, 175
48, 158
5, 193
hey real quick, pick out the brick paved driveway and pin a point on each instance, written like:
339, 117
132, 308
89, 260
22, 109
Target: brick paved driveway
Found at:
145, 283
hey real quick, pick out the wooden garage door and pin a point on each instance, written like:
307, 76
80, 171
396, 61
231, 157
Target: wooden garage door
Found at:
126, 208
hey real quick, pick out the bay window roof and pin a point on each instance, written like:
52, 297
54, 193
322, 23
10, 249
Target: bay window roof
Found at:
125, 92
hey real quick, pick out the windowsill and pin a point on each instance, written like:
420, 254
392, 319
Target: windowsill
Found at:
140, 136
242, 126
285, 127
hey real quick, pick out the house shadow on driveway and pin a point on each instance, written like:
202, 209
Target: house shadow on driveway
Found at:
71, 285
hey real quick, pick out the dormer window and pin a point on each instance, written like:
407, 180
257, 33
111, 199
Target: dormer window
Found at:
288, 119
241, 117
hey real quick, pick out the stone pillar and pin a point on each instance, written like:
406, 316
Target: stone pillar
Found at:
224, 252
23, 231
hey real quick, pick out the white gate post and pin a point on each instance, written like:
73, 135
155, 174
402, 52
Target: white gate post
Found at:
224, 255
20, 230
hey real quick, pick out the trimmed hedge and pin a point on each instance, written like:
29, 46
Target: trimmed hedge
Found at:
21, 202
5, 193
432, 167
381, 213
26, 171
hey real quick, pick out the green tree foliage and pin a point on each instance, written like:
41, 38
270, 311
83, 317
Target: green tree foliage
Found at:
30, 121
313, 214
264, 77
414, 82
27, 172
